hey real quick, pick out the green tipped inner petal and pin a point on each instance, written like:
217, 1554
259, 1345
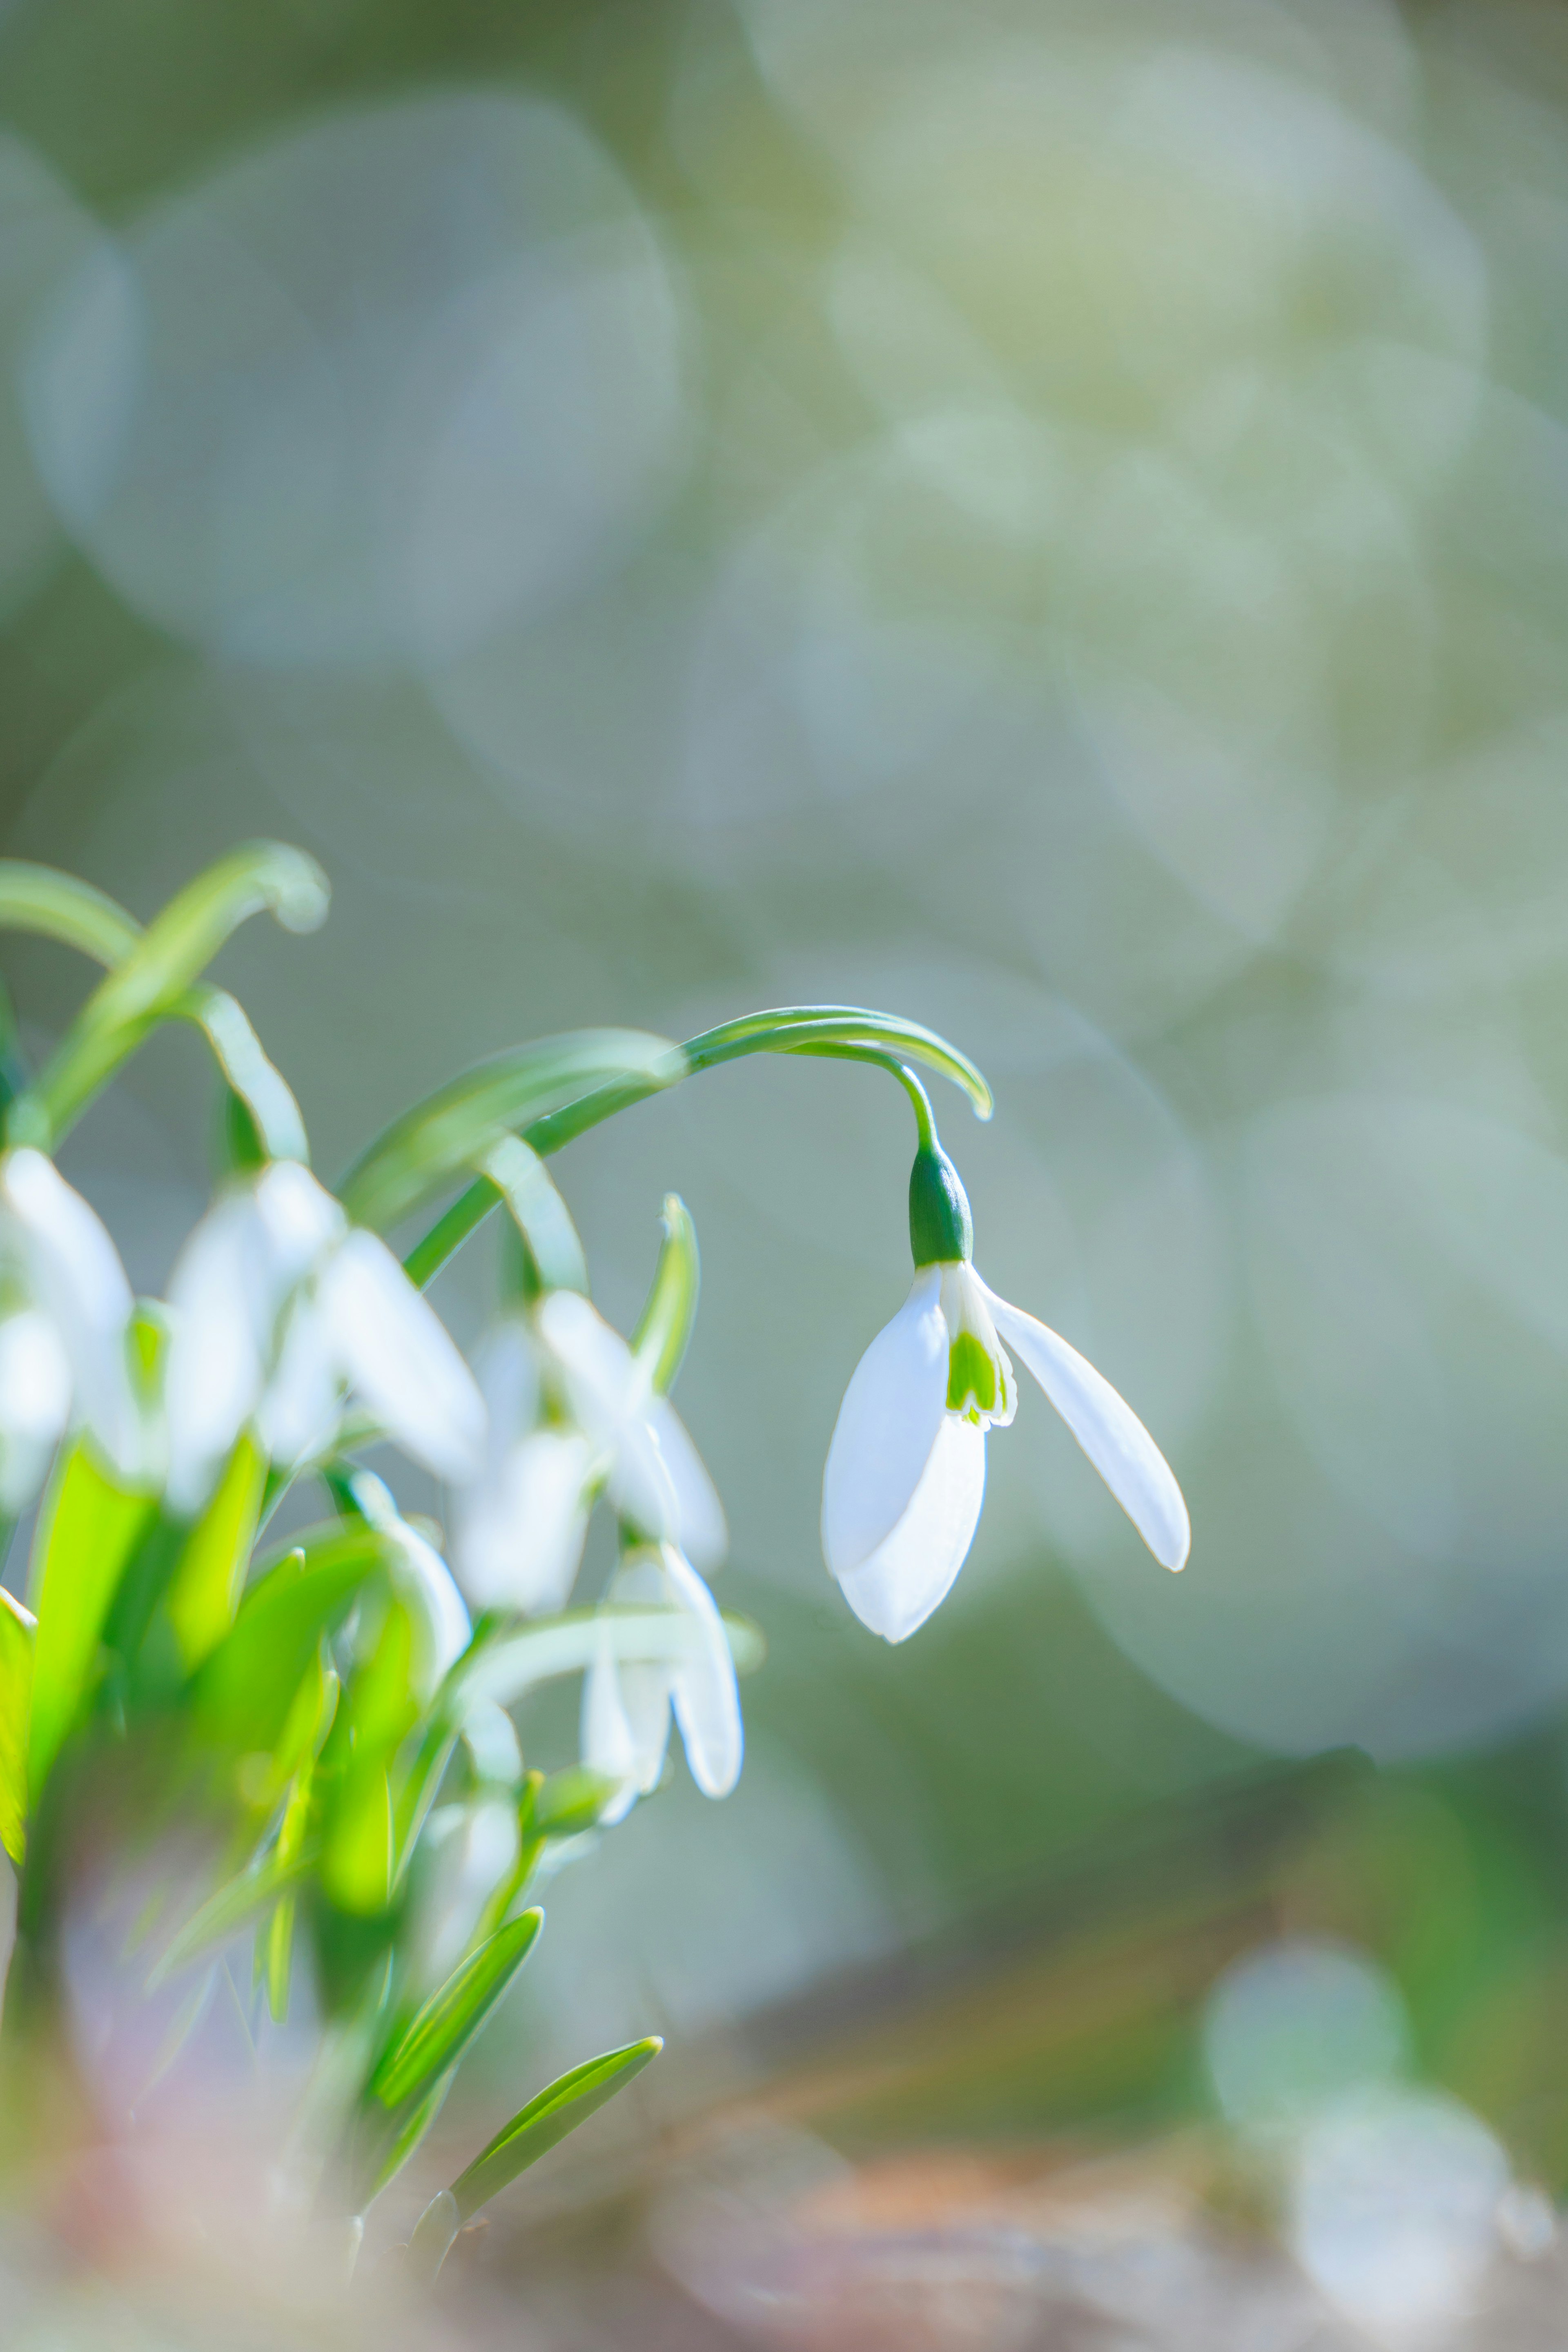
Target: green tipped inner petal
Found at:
971, 1383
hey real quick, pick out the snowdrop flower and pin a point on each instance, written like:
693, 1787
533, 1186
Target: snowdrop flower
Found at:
626, 1707
279, 1306
906, 1468
520, 1525
422, 1580
65, 1333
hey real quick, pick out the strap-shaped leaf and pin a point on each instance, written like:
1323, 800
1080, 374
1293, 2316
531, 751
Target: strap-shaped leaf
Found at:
788, 1029
411, 2131
540, 1213
455, 1128
546, 2120
232, 1907
86, 1535
18, 1628
247, 1686
664, 1326
438, 2036
55, 906
204, 1592
258, 1081
170, 955
503, 1669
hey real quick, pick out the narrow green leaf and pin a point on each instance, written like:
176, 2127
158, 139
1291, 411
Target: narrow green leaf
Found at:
247, 1685
204, 1593
18, 1629
538, 1213
437, 2038
664, 1326
409, 2134
260, 1085
503, 1669
56, 905
455, 1127
87, 1534
232, 1907
546, 2120
356, 1859
170, 955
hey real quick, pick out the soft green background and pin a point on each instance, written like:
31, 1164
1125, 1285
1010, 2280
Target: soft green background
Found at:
1049, 519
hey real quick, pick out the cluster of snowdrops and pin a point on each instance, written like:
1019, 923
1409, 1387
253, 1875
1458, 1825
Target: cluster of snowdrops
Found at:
333, 1703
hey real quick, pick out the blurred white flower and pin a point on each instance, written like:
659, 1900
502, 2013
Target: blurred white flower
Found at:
521, 1523
626, 1707
280, 1307
65, 1330
423, 1583
906, 1469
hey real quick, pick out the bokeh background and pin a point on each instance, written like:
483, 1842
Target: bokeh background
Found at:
1048, 516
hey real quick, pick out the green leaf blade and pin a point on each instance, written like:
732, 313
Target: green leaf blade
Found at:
546, 2121
665, 1326
441, 2032
18, 1629
89, 1529
456, 1126
247, 1686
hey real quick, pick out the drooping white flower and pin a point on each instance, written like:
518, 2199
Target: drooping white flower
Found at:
65, 1330
626, 1707
906, 1469
571, 1406
421, 1580
281, 1308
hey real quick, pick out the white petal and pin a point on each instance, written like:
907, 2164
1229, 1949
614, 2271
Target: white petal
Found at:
912, 1570
507, 1371
887, 1426
299, 1219
220, 1312
1109, 1430
608, 1745
395, 1352
699, 1529
75, 1275
442, 1631
35, 1404
706, 1700
603, 1383
301, 1405
520, 1530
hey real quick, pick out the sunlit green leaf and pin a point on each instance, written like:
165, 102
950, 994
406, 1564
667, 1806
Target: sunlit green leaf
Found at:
664, 1326
455, 1129
409, 2133
546, 2120
252, 1078
17, 1632
503, 1669
538, 1213
87, 1534
357, 1855
248, 1684
443, 2028
167, 959
206, 1584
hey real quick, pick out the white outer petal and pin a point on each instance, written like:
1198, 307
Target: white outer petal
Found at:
1109, 1430
299, 1408
299, 1218
442, 1631
606, 1741
911, 1571
74, 1275
35, 1404
704, 1695
699, 1529
520, 1527
396, 1354
887, 1426
602, 1381
221, 1309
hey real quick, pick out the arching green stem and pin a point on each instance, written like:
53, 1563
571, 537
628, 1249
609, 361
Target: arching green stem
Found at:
838, 1033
